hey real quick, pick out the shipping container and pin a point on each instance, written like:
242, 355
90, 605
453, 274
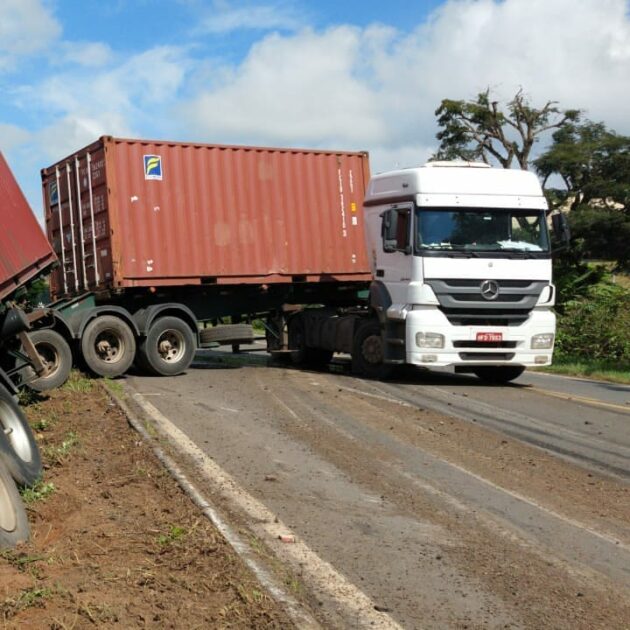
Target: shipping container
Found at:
24, 251
124, 214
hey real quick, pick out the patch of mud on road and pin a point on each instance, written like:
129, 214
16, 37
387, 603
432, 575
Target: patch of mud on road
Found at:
114, 541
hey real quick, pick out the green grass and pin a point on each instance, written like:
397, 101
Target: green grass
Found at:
37, 492
58, 454
599, 370
174, 534
79, 383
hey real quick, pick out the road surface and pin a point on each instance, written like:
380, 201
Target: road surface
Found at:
447, 503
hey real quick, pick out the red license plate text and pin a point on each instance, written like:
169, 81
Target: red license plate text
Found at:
489, 337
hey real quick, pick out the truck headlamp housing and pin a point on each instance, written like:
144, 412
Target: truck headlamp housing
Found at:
543, 341
429, 340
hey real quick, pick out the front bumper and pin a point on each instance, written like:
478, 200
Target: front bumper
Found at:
461, 347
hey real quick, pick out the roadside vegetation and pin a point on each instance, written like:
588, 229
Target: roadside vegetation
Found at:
586, 174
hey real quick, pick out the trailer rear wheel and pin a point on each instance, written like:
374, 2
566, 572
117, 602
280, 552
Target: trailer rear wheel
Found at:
169, 347
56, 355
18, 448
368, 351
14, 527
108, 346
498, 374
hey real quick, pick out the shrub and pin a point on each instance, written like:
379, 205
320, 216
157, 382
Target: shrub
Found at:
596, 326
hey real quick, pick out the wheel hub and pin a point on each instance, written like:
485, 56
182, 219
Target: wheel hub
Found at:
373, 349
109, 347
171, 346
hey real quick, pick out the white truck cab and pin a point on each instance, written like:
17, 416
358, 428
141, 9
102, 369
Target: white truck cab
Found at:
461, 258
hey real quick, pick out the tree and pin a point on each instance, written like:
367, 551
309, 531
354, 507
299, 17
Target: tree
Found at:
480, 130
592, 162
593, 165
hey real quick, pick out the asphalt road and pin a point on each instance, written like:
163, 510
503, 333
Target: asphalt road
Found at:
450, 504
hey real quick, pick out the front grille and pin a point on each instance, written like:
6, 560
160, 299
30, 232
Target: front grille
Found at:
481, 317
486, 356
484, 344
463, 303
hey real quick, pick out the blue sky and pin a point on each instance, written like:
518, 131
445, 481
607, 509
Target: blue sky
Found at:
350, 75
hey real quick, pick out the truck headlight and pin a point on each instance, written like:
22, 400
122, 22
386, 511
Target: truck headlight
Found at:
543, 341
429, 340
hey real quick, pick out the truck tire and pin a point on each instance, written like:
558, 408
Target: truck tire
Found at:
169, 347
18, 448
228, 334
14, 527
498, 374
368, 351
56, 354
108, 346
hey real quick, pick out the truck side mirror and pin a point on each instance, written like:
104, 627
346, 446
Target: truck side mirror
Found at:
561, 228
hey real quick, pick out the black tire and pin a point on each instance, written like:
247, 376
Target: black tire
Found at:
55, 352
368, 351
168, 349
499, 375
14, 527
108, 346
18, 448
228, 334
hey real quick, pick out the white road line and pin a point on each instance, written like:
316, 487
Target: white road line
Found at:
321, 575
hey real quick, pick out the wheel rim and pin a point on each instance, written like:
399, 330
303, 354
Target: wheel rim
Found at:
49, 356
372, 349
109, 346
8, 517
171, 346
11, 425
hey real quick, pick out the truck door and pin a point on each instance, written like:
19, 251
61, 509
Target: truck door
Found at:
393, 265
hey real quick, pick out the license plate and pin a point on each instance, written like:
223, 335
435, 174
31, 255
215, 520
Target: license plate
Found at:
489, 337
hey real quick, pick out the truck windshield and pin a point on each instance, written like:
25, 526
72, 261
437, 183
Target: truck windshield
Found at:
479, 230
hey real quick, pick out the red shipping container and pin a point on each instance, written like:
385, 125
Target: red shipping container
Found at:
24, 251
166, 213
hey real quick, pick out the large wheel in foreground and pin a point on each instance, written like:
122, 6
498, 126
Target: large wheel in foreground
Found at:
108, 346
13, 522
56, 355
497, 374
18, 448
368, 352
169, 347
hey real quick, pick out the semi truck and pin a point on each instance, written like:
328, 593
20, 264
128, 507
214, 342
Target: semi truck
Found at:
447, 264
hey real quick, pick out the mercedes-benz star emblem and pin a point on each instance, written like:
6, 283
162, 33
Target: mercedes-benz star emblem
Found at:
489, 289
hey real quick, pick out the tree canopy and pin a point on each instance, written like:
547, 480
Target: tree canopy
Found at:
480, 130
592, 162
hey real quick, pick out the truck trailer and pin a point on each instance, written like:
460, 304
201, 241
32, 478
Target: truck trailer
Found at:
448, 264
156, 238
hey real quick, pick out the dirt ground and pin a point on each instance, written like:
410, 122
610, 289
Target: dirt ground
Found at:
114, 541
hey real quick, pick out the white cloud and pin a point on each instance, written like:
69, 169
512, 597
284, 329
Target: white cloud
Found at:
12, 136
377, 89
223, 18
26, 27
87, 54
119, 100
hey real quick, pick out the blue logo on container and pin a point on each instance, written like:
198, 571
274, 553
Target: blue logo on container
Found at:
152, 167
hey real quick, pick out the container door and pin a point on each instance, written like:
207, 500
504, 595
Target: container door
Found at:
78, 224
